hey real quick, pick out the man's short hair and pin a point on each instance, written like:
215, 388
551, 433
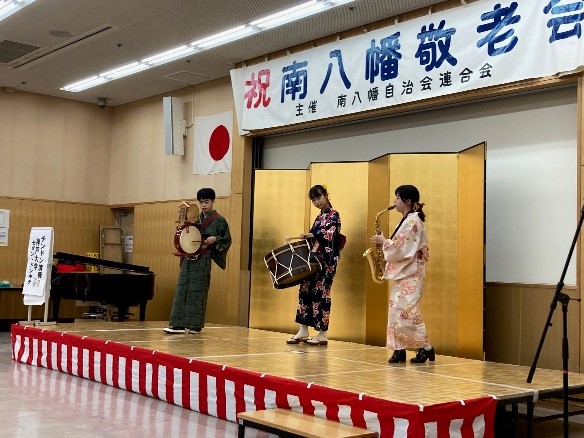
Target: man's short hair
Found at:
206, 193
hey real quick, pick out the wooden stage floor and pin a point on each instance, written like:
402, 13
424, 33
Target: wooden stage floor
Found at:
344, 366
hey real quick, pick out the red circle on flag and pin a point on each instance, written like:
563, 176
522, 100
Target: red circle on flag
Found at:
219, 142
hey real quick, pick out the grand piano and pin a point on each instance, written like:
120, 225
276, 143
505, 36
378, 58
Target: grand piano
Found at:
133, 285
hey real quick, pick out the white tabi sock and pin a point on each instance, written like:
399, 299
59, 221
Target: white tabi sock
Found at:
302, 331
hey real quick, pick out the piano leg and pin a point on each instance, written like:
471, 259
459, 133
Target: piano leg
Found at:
56, 303
143, 310
122, 310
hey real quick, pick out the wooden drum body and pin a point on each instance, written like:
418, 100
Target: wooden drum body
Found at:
290, 265
187, 239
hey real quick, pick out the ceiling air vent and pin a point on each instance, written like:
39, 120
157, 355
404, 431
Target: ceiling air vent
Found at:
68, 44
187, 77
11, 50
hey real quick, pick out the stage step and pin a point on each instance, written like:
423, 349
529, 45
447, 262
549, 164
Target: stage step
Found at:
290, 424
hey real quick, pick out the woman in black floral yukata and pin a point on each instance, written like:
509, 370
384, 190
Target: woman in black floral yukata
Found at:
314, 298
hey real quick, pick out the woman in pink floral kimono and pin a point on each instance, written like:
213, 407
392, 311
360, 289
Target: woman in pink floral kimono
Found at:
406, 254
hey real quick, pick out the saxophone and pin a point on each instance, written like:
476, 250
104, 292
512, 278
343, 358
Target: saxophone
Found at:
375, 259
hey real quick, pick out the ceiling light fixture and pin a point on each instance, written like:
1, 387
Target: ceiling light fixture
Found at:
9, 7
169, 55
124, 70
84, 84
269, 22
292, 14
224, 37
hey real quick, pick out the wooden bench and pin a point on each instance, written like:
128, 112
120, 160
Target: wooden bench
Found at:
290, 424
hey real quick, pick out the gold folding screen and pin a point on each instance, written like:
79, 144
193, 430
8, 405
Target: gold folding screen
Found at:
378, 199
451, 186
348, 191
471, 246
279, 211
282, 208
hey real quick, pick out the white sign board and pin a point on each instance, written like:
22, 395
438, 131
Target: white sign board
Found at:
37, 279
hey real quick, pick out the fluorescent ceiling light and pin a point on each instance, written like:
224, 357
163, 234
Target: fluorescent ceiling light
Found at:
227, 36
292, 14
124, 70
6, 7
169, 55
9, 7
224, 37
84, 84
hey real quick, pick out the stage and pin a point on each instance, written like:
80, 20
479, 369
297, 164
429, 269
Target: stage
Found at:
225, 370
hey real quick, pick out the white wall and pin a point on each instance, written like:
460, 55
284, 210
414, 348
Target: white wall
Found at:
531, 187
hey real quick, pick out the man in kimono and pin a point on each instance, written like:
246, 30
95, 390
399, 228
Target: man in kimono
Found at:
190, 300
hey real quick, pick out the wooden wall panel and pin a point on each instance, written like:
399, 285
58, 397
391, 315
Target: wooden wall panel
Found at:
516, 315
535, 308
233, 291
9, 254
76, 231
241, 211
32, 214
77, 227
503, 324
60, 154
154, 247
241, 169
10, 267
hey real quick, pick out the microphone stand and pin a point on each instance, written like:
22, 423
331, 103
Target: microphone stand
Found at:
563, 299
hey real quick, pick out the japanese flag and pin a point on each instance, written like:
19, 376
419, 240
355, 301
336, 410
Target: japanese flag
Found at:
213, 144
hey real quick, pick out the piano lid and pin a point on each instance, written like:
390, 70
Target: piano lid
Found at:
63, 256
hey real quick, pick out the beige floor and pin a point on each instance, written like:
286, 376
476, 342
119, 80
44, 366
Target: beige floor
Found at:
36, 401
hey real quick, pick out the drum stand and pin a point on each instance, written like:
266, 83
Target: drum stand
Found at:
563, 299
